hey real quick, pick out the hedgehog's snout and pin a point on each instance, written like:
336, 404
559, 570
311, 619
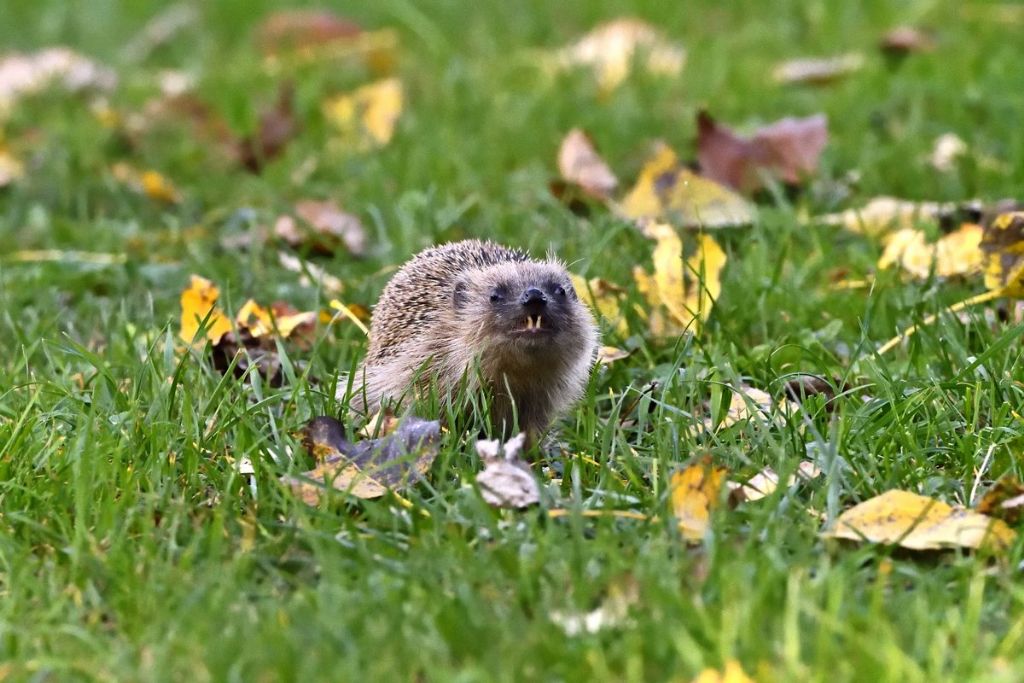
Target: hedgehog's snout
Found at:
534, 301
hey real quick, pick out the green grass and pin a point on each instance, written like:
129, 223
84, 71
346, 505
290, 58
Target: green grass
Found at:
131, 549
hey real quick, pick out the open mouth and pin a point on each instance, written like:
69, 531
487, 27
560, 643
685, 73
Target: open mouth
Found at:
535, 324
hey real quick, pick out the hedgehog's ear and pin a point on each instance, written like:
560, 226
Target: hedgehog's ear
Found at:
460, 294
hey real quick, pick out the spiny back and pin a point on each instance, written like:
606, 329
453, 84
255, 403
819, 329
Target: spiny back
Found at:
414, 298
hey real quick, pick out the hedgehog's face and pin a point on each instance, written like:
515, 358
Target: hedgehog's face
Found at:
528, 306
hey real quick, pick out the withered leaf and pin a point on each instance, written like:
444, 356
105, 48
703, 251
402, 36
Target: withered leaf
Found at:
328, 228
883, 214
788, 149
506, 480
1003, 246
1004, 500
365, 469
903, 40
955, 254
580, 164
199, 303
818, 70
917, 522
694, 492
276, 128
294, 29
667, 191
366, 117
802, 387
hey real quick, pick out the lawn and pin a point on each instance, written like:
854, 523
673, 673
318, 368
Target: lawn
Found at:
132, 546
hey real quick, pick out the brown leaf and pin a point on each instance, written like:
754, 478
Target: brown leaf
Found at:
1005, 500
903, 40
328, 227
580, 164
506, 480
277, 127
365, 469
802, 387
294, 29
788, 149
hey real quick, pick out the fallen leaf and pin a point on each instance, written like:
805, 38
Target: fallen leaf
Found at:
694, 492
279, 319
27, 74
367, 116
803, 387
11, 168
903, 40
199, 303
612, 48
1003, 246
606, 355
731, 673
668, 191
150, 183
365, 469
817, 70
381, 424
684, 287
788, 149
580, 164
883, 214
916, 522
948, 148
956, 254
604, 298
749, 403
295, 29
611, 613
1004, 500
328, 228
276, 128
765, 482
506, 481
320, 276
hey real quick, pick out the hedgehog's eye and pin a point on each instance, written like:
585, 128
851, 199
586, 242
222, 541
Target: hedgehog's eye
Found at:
559, 291
497, 295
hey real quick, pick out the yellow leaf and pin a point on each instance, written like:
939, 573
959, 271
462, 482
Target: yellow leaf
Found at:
150, 183
1003, 246
732, 673
606, 355
198, 301
686, 288
368, 114
667, 191
694, 493
11, 168
611, 48
956, 254
919, 523
261, 321
605, 298
883, 214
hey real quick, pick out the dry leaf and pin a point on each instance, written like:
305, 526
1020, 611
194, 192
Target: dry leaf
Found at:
764, 483
605, 299
747, 403
367, 116
280, 319
682, 290
150, 183
321, 277
611, 613
198, 301
919, 523
611, 49
818, 71
382, 423
955, 254
1004, 500
606, 355
276, 128
506, 481
27, 74
788, 149
903, 40
580, 164
694, 493
667, 191
365, 469
1003, 246
329, 227
296, 29
802, 387
731, 673
883, 214
11, 168
948, 148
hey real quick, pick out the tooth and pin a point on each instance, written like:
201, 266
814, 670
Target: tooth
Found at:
540, 321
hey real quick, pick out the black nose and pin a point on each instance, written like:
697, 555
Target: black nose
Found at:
533, 300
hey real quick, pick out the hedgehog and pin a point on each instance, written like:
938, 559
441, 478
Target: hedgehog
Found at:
476, 315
